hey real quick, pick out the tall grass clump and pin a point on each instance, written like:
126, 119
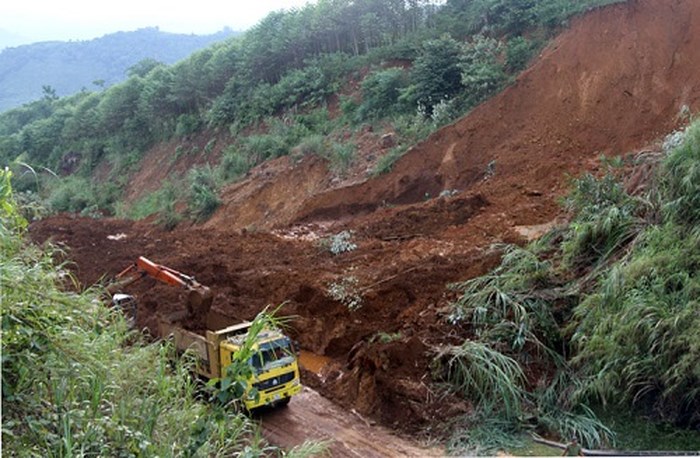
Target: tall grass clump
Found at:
510, 305
203, 198
636, 336
490, 378
161, 202
682, 182
605, 310
606, 219
483, 433
76, 381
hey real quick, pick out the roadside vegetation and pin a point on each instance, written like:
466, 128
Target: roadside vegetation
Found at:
414, 67
77, 381
602, 314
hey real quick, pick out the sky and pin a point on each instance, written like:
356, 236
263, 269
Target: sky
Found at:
30, 21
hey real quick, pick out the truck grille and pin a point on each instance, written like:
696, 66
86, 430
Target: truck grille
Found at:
274, 382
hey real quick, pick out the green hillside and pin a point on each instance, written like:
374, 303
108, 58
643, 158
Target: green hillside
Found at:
427, 64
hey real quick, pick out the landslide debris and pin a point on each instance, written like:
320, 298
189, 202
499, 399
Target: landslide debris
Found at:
615, 81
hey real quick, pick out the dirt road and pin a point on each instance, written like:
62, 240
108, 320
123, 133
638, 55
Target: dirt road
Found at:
312, 417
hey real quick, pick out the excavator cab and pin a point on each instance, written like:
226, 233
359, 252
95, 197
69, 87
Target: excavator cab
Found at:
127, 305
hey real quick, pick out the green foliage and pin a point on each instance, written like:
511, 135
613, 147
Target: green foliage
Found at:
11, 219
610, 302
386, 162
481, 73
314, 144
187, 124
635, 432
339, 243
234, 164
346, 291
489, 378
636, 336
505, 306
77, 381
276, 81
484, 433
203, 198
683, 179
143, 67
634, 333
436, 74
341, 156
557, 412
78, 194
385, 337
511, 17
161, 202
265, 146
380, 93
606, 220
519, 51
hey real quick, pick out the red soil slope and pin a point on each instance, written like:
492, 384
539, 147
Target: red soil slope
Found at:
618, 79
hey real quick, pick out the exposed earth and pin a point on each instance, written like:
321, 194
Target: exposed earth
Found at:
617, 80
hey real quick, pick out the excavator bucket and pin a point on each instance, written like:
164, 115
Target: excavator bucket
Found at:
199, 301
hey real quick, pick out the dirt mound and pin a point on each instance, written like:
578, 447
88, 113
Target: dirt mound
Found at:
616, 80
619, 78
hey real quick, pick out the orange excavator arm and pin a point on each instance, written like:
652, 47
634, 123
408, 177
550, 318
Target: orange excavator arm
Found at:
199, 297
164, 274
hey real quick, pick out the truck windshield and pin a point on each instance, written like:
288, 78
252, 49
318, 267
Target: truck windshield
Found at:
275, 353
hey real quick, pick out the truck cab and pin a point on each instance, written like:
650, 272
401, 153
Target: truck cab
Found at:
275, 368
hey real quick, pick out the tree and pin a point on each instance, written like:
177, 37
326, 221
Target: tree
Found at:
436, 74
142, 67
482, 74
49, 93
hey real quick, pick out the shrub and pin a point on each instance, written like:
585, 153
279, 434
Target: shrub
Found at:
339, 243
519, 51
342, 156
346, 292
314, 144
605, 220
71, 194
266, 146
481, 73
187, 124
380, 93
234, 164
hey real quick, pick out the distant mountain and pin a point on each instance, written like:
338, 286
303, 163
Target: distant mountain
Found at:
69, 67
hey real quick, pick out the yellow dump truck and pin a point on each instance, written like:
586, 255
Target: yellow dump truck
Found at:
274, 364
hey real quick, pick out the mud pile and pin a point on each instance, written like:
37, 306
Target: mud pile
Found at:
618, 79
